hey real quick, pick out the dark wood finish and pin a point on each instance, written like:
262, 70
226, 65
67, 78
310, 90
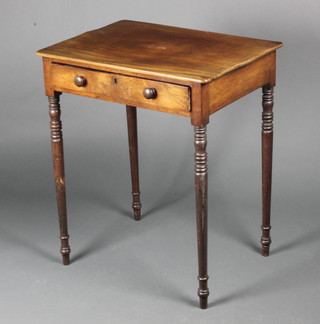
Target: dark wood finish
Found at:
134, 161
58, 166
201, 190
185, 72
80, 81
150, 93
267, 143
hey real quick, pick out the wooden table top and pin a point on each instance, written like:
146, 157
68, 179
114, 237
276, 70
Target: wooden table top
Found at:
151, 50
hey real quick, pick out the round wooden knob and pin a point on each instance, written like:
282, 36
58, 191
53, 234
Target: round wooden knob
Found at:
150, 93
80, 81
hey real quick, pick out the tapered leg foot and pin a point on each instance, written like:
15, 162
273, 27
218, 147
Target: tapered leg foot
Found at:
65, 249
58, 167
201, 191
136, 205
134, 161
265, 240
203, 292
265, 250
267, 143
66, 259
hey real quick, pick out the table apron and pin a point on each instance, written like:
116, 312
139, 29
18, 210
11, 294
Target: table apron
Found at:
170, 98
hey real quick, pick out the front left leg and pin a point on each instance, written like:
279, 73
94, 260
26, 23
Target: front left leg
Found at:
134, 161
267, 143
58, 167
201, 190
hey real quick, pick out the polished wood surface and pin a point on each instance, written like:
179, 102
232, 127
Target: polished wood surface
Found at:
240, 82
151, 50
123, 89
174, 70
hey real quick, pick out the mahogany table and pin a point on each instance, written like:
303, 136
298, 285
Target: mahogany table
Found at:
180, 71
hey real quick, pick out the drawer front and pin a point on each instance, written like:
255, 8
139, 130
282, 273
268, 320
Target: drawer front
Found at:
167, 97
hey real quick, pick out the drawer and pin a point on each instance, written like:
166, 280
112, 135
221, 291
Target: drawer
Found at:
123, 89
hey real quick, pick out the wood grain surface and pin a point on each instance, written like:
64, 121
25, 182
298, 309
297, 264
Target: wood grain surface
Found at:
145, 49
170, 98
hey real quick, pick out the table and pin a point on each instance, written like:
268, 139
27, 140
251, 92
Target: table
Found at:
180, 71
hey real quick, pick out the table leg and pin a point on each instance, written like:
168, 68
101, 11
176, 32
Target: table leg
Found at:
134, 161
267, 141
58, 166
201, 190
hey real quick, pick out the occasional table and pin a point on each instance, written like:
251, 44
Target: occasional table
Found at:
174, 70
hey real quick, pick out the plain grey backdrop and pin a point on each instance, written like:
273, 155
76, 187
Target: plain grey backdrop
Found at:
145, 272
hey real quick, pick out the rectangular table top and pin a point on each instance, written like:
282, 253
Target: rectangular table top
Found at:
152, 50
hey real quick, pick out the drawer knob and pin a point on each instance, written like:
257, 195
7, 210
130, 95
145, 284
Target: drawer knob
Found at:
150, 93
80, 81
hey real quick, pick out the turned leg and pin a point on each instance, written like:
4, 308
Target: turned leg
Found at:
267, 139
58, 166
134, 163
201, 190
